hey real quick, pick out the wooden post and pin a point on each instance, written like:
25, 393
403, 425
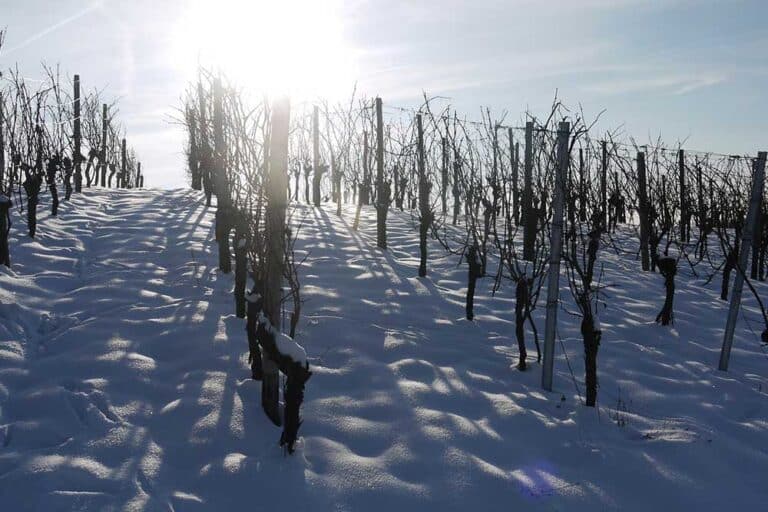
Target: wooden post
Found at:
758, 181
219, 150
77, 137
702, 207
582, 188
444, 174
424, 214
684, 216
2, 154
224, 214
757, 242
139, 176
205, 147
365, 189
103, 156
316, 156
604, 181
382, 199
529, 217
122, 181
555, 249
642, 196
194, 150
277, 184
514, 167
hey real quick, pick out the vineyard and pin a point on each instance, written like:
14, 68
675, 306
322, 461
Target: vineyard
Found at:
431, 308
512, 220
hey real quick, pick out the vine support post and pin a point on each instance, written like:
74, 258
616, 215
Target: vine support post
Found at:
121, 183
381, 199
277, 184
642, 196
103, 155
582, 188
224, 213
316, 156
756, 198
77, 137
684, 216
555, 249
2, 148
444, 174
604, 181
529, 218
424, 212
513, 166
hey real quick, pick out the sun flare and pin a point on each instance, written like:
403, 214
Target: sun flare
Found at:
293, 47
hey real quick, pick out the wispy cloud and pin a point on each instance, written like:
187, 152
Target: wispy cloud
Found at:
656, 82
69, 19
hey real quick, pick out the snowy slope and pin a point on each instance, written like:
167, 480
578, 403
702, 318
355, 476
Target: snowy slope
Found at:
123, 382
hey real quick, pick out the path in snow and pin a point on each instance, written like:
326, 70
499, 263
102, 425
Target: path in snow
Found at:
123, 383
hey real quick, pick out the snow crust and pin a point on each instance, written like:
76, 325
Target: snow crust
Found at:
124, 383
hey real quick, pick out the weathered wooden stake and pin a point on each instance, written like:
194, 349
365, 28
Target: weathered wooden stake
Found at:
224, 214
2, 151
758, 181
103, 155
382, 199
642, 195
582, 188
444, 174
604, 182
424, 211
684, 215
529, 217
513, 153
277, 184
123, 180
77, 158
316, 156
555, 249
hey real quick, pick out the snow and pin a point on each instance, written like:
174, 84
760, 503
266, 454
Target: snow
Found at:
124, 382
288, 347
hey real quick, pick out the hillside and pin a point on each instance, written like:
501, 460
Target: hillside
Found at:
124, 383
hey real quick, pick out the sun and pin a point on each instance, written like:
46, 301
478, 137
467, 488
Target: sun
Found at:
293, 47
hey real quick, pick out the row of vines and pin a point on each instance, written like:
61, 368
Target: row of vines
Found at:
514, 201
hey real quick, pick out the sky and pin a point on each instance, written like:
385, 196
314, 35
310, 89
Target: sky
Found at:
685, 70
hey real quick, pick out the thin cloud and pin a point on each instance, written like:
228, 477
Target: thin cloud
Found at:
672, 84
95, 5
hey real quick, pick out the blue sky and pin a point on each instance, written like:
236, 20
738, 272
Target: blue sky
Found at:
682, 69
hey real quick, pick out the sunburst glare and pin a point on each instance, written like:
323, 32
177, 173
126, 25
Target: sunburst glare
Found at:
295, 47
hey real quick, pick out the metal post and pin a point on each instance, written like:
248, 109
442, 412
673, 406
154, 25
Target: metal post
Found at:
758, 180
555, 249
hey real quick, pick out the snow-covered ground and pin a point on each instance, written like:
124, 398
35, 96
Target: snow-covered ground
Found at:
124, 383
